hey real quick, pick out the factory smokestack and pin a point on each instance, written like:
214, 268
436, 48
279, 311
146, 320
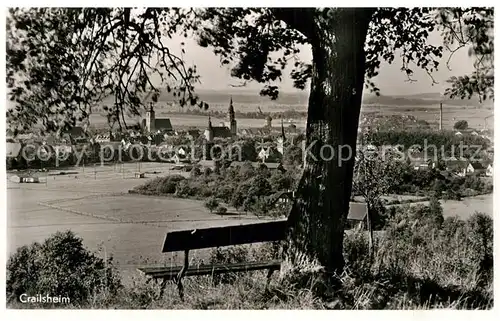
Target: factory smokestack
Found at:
440, 116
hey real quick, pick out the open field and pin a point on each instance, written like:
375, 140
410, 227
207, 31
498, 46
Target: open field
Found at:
466, 207
130, 227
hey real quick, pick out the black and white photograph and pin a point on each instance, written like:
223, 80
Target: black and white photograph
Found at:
249, 158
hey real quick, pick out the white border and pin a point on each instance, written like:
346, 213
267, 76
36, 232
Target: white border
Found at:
441, 315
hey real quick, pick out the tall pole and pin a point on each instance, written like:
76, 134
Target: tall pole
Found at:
440, 116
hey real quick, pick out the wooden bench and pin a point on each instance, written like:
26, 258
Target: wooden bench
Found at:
215, 237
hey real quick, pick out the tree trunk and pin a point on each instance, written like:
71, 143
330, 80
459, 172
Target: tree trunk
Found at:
317, 218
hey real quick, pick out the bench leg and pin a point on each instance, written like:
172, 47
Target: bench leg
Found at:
180, 288
181, 274
162, 288
269, 274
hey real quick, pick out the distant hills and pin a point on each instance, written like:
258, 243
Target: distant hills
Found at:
245, 96
300, 98
422, 99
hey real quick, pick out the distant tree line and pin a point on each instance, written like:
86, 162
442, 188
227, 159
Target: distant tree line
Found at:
286, 114
445, 140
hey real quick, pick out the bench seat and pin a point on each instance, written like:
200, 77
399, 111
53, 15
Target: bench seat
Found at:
171, 272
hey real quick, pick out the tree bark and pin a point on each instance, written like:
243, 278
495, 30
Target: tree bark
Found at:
317, 218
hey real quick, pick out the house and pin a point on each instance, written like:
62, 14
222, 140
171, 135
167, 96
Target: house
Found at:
263, 154
423, 164
15, 179
271, 166
248, 132
474, 133
269, 153
105, 138
489, 170
486, 137
458, 134
30, 179
456, 166
475, 168
216, 131
163, 125
207, 164
24, 137
357, 215
153, 124
9, 133
193, 134
75, 132
282, 199
13, 150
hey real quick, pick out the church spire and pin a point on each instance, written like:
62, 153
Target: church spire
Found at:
283, 131
230, 111
232, 118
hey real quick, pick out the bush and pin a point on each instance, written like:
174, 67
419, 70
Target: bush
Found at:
211, 204
229, 255
461, 125
60, 266
356, 253
221, 210
480, 236
161, 185
168, 187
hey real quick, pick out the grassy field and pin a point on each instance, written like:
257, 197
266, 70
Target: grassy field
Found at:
466, 207
130, 227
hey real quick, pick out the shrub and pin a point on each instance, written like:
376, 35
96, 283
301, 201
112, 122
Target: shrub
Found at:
211, 204
166, 188
169, 184
356, 252
461, 125
161, 185
221, 210
229, 255
187, 188
60, 266
480, 236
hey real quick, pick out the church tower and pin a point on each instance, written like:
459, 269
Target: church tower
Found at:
150, 119
232, 120
209, 132
269, 120
281, 140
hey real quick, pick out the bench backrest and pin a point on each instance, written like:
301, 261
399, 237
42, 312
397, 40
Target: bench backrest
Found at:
224, 236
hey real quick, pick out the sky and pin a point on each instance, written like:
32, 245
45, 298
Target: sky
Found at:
390, 80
